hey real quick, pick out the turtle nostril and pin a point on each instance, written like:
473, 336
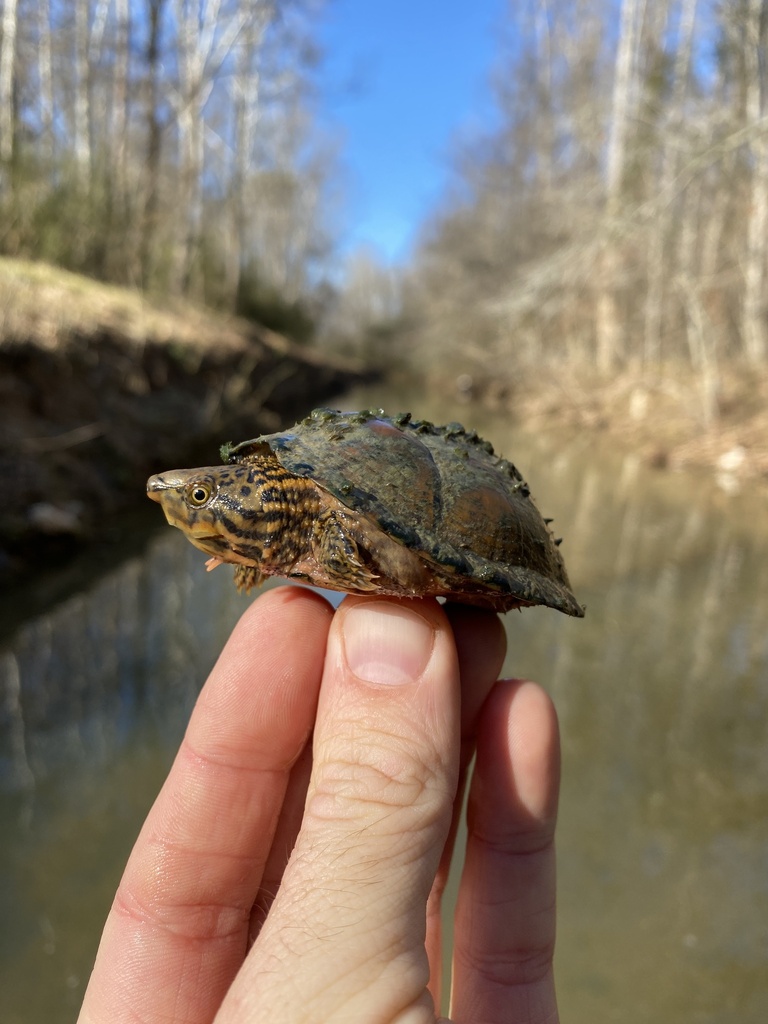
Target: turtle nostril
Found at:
155, 485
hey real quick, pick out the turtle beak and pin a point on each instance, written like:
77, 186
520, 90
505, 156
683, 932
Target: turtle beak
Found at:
164, 488
155, 486
169, 481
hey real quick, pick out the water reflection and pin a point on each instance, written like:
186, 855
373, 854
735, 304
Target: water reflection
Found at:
95, 698
662, 692
663, 700
138, 644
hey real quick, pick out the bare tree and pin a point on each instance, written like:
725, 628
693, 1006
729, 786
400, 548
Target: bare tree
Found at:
622, 207
608, 328
177, 138
7, 68
153, 133
246, 90
754, 312
82, 111
206, 36
119, 100
45, 76
671, 126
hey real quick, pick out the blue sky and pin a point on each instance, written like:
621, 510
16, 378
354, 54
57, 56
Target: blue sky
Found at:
401, 80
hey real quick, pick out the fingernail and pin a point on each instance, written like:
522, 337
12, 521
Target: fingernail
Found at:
386, 643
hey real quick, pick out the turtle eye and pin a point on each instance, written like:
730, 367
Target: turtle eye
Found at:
199, 494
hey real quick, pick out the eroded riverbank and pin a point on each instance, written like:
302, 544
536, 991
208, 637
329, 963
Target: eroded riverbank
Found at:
99, 388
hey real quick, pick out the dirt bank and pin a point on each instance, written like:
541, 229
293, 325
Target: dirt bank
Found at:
99, 388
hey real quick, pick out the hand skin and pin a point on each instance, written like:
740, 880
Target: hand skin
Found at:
292, 866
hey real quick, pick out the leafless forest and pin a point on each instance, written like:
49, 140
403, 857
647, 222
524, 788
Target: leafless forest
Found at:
165, 144
617, 217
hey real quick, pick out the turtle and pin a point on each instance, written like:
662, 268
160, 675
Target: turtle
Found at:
367, 503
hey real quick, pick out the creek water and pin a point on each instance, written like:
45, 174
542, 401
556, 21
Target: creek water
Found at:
662, 693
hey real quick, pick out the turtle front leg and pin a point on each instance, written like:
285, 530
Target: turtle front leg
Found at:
338, 556
353, 554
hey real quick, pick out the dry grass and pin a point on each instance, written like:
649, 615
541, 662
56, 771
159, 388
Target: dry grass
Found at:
51, 307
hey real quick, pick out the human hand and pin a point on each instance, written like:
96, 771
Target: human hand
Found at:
282, 877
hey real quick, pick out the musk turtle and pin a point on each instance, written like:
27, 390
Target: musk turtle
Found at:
370, 504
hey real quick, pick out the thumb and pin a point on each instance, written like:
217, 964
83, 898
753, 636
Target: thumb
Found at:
345, 936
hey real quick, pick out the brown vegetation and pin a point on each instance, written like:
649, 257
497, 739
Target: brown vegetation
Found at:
619, 217
661, 417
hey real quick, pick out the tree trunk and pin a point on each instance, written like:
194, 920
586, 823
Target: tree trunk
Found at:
97, 99
247, 100
754, 310
120, 91
45, 74
205, 39
608, 326
190, 60
7, 72
658, 267
154, 144
122, 257
623, 86
544, 123
82, 114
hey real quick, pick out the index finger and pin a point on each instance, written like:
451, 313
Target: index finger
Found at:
178, 929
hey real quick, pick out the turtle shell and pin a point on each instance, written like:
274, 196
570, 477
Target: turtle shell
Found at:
440, 491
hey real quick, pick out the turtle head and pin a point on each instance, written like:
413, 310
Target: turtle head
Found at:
218, 508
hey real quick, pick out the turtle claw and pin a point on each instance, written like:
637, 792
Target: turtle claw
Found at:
247, 577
